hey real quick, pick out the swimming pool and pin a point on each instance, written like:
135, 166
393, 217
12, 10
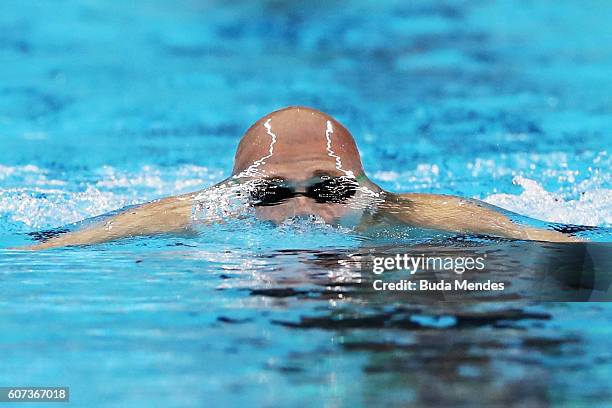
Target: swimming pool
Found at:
107, 104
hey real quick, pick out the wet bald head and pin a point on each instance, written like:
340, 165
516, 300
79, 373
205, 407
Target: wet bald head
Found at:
297, 143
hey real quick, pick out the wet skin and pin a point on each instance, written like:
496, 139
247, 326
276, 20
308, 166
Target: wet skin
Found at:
300, 149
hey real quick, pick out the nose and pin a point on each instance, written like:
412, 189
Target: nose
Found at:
303, 206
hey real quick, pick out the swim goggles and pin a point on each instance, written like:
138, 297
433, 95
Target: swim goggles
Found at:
269, 192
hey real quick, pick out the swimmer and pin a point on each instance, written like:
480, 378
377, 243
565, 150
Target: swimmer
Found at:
300, 162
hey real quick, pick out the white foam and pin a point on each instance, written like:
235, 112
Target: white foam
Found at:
47, 202
221, 203
41, 208
593, 207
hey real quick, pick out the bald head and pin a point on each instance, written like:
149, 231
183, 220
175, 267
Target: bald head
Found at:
297, 143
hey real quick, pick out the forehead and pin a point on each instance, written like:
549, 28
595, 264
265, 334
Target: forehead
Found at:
303, 171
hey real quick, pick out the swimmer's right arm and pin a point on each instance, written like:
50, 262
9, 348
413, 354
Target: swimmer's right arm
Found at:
167, 215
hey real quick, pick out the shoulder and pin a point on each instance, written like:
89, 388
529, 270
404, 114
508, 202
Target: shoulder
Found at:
431, 199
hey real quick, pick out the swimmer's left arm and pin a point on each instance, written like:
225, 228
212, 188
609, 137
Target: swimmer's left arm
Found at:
167, 215
460, 215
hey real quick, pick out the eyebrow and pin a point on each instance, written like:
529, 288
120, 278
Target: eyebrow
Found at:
274, 178
322, 173
314, 174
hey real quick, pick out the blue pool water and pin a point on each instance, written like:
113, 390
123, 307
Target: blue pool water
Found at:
106, 104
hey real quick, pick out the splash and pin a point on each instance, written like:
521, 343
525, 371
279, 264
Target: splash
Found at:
40, 208
34, 198
593, 207
221, 203
247, 231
